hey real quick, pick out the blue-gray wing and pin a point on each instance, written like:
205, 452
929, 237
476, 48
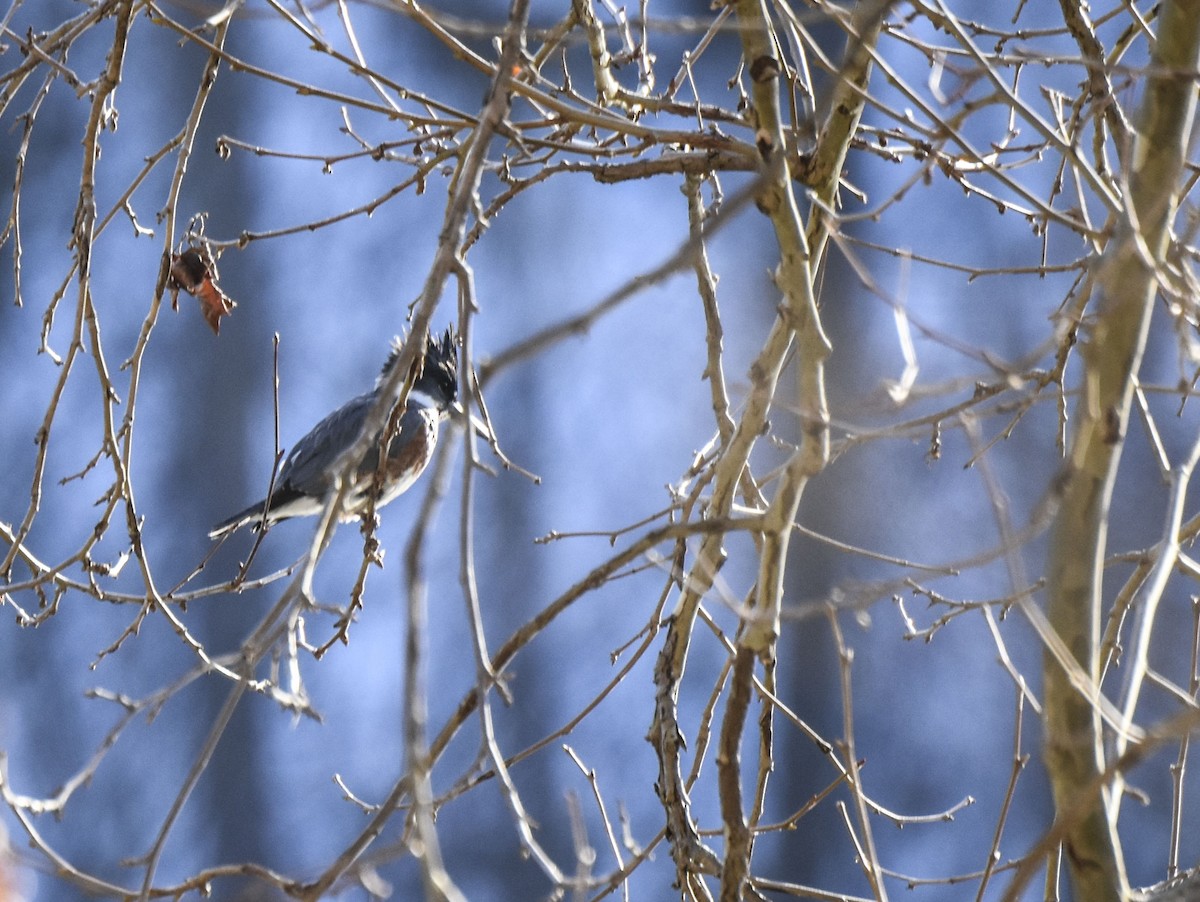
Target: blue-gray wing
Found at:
308, 471
307, 468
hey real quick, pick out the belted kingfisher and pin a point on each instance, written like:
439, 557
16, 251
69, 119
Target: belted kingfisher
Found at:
307, 474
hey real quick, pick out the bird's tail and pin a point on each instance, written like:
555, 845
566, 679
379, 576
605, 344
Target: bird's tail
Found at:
250, 515
285, 503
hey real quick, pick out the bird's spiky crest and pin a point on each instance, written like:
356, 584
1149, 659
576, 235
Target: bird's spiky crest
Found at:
439, 353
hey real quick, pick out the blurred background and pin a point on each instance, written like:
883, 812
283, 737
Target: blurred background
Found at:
608, 419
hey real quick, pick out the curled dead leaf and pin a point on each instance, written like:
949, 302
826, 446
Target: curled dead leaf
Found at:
194, 272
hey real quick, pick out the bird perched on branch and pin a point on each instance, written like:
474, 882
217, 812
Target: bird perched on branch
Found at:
309, 471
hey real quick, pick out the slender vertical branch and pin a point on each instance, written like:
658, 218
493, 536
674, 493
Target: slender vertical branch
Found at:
1126, 278
799, 248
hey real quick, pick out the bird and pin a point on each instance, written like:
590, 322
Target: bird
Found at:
308, 472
